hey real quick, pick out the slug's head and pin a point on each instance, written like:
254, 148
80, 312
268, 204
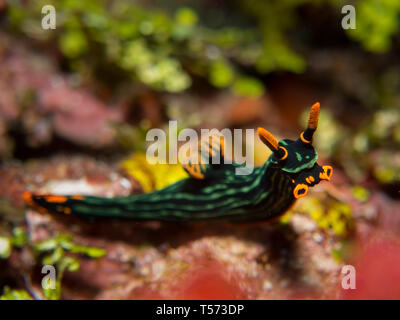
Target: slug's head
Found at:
298, 158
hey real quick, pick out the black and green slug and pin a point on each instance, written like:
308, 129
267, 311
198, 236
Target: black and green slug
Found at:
213, 191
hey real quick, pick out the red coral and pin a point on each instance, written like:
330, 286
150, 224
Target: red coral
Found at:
206, 280
377, 270
209, 282
79, 116
42, 100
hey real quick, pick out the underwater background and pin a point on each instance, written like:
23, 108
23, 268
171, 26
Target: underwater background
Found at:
76, 103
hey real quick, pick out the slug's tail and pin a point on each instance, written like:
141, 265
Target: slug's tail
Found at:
154, 206
77, 205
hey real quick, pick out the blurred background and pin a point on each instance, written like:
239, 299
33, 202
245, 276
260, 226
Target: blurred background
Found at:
76, 103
